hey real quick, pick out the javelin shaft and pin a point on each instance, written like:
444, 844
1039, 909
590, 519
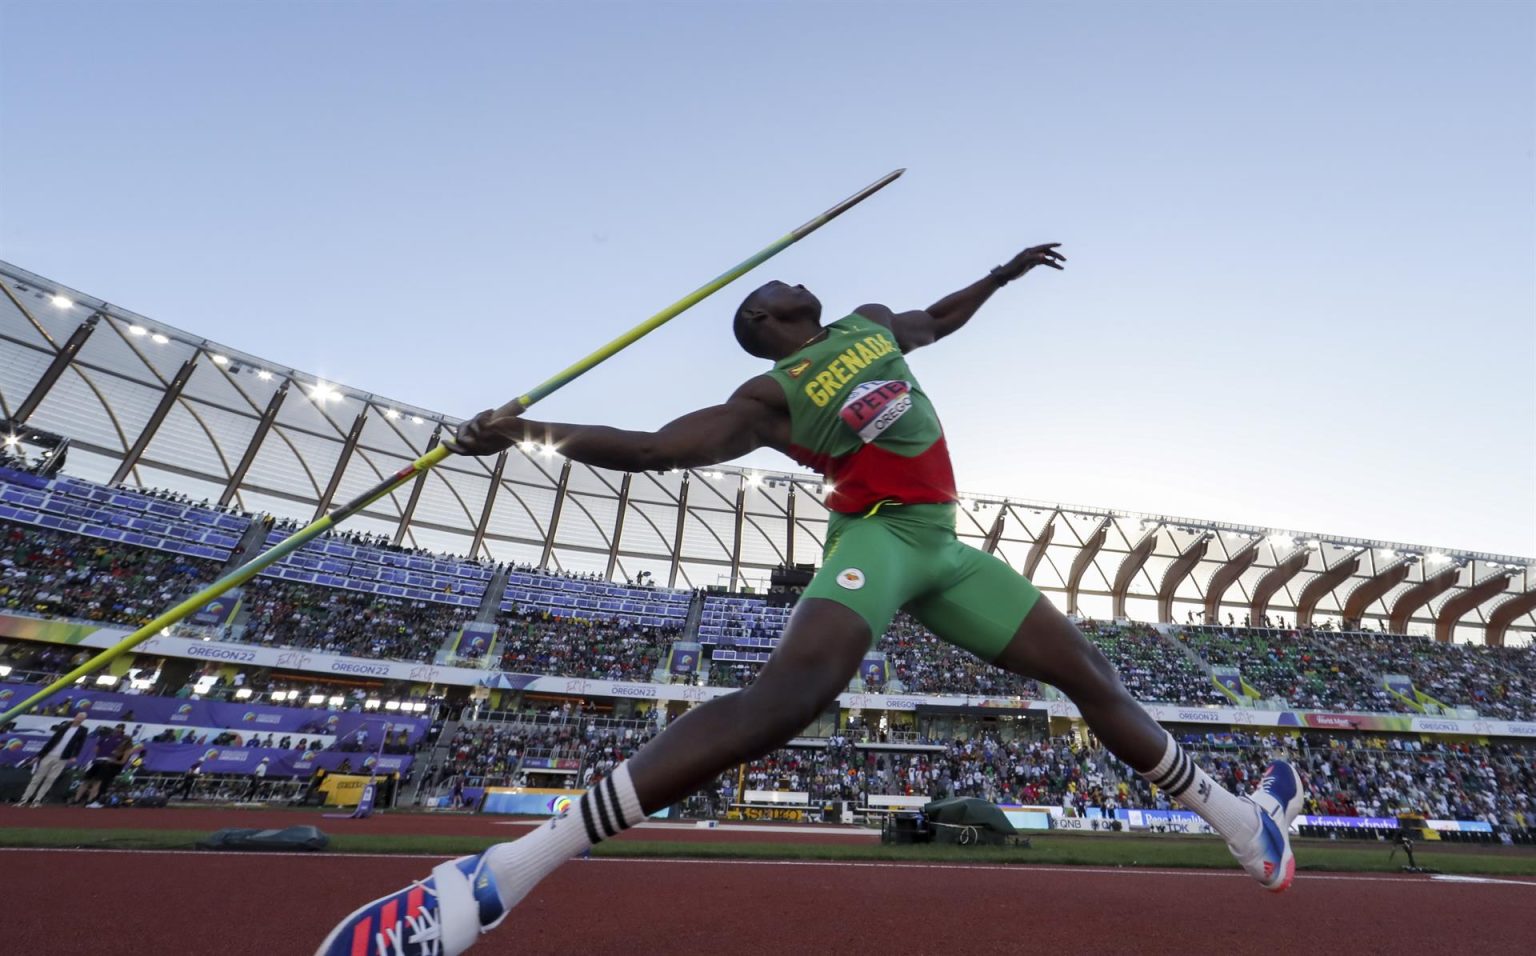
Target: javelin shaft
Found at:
256, 565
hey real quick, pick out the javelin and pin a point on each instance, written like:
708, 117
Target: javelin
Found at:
253, 567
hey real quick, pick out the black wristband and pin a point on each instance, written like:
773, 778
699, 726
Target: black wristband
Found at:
1000, 276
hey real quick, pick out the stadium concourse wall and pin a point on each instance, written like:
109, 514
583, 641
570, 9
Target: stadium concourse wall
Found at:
91, 636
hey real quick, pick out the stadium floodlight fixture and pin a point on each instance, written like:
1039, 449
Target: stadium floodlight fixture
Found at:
416, 420
1386, 552
322, 393
264, 375
159, 338
137, 330
547, 451
316, 699
391, 413
221, 360
391, 705
243, 693
1281, 540
5, 670
106, 680
1314, 543
337, 701
61, 301
12, 441
371, 704
1436, 557
754, 479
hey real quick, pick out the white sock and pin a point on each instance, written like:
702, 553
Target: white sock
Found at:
609, 807
1184, 781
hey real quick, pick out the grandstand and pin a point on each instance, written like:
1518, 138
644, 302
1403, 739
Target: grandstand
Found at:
151, 406
1296, 642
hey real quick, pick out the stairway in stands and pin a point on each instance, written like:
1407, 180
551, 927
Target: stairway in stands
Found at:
436, 757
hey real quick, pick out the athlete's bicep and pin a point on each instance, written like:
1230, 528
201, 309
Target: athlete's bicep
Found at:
740, 424
912, 330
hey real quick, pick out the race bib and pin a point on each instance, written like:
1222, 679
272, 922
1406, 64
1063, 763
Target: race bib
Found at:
873, 407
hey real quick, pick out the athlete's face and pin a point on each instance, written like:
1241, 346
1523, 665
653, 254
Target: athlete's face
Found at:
769, 312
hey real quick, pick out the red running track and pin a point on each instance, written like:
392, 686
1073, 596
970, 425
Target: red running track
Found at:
494, 828
103, 903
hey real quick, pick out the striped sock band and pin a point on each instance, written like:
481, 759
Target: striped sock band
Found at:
1183, 780
610, 807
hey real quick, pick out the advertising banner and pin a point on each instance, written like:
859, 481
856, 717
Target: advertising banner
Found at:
177, 758
683, 659
242, 717
91, 636
344, 789
874, 670
1228, 680
220, 611
531, 801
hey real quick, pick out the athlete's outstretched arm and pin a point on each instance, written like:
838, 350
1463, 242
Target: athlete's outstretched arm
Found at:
924, 327
754, 417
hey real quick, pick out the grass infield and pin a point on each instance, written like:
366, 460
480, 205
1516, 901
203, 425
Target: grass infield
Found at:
1102, 850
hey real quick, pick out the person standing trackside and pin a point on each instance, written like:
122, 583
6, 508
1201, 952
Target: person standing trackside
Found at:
61, 748
257, 779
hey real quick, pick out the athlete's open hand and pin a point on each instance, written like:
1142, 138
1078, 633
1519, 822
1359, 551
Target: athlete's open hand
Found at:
490, 432
1045, 255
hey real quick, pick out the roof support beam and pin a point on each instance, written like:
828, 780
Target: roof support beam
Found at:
554, 516
1129, 568
1323, 585
1225, 576
348, 446
1273, 580
1373, 589
1419, 595
618, 526
1457, 605
1085, 558
172, 392
1182, 567
416, 486
1504, 614
789, 521
677, 537
268, 416
55, 368
490, 501
741, 513
1037, 550
995, 534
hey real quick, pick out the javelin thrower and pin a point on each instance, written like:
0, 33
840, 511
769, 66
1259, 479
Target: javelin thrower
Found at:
838, 398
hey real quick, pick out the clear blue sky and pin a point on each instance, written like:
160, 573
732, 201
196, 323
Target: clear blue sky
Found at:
1302, 289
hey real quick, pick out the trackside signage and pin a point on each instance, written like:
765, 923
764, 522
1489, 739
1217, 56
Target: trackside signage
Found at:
74, 633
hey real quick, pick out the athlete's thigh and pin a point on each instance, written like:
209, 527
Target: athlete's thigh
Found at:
980, 605
869, 570
1049, 647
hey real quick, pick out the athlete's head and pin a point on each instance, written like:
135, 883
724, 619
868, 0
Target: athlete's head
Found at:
776, 319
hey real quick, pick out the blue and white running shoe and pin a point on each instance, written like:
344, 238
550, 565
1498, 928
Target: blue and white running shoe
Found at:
1276, 802
440, 916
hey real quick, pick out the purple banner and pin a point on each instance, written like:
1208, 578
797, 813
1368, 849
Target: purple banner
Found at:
217, 613
243, 718
16, 747
685, 658
177, 758
874, 672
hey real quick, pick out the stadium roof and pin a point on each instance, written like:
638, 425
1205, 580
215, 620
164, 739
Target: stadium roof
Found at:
152, 405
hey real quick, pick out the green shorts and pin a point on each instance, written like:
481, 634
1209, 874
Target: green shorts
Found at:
907, 556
